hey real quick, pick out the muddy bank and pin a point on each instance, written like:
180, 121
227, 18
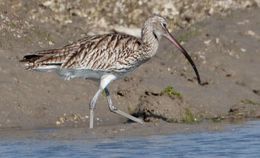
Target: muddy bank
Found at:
114, 131
225, 49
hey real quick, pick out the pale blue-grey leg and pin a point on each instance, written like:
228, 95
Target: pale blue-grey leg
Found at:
117, 111
92, 107
104, 82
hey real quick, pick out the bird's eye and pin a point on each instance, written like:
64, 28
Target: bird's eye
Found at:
164, 25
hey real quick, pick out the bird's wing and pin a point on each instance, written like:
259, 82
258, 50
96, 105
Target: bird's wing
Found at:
99, 52
103, 52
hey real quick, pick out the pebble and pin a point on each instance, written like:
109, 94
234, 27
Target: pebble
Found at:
217, 40
251, 33
58, 122
207, 42
243, 49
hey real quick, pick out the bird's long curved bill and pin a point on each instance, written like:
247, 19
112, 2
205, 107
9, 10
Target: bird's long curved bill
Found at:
185, 53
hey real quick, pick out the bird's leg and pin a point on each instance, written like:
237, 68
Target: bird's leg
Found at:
115, 110
104, 82
92, 107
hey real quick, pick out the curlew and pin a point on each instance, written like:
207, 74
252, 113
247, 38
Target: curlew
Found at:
105, 58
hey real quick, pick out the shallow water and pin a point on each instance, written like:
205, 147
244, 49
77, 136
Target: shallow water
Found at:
237, 141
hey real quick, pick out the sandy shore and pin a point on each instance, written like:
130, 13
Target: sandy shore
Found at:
115, 131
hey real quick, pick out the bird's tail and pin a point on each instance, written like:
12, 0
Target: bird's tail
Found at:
43, 60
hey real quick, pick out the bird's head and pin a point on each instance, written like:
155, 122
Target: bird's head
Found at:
158, 26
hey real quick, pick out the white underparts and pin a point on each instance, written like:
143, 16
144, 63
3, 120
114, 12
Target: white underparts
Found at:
68, 74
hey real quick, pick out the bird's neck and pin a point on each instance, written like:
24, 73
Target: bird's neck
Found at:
150, 42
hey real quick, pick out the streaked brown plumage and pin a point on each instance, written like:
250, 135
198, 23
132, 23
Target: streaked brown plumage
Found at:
105, 57
100, 52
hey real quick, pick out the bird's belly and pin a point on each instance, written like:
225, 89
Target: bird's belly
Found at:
68, 74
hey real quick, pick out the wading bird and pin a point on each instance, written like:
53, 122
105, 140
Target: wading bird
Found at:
105, 58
